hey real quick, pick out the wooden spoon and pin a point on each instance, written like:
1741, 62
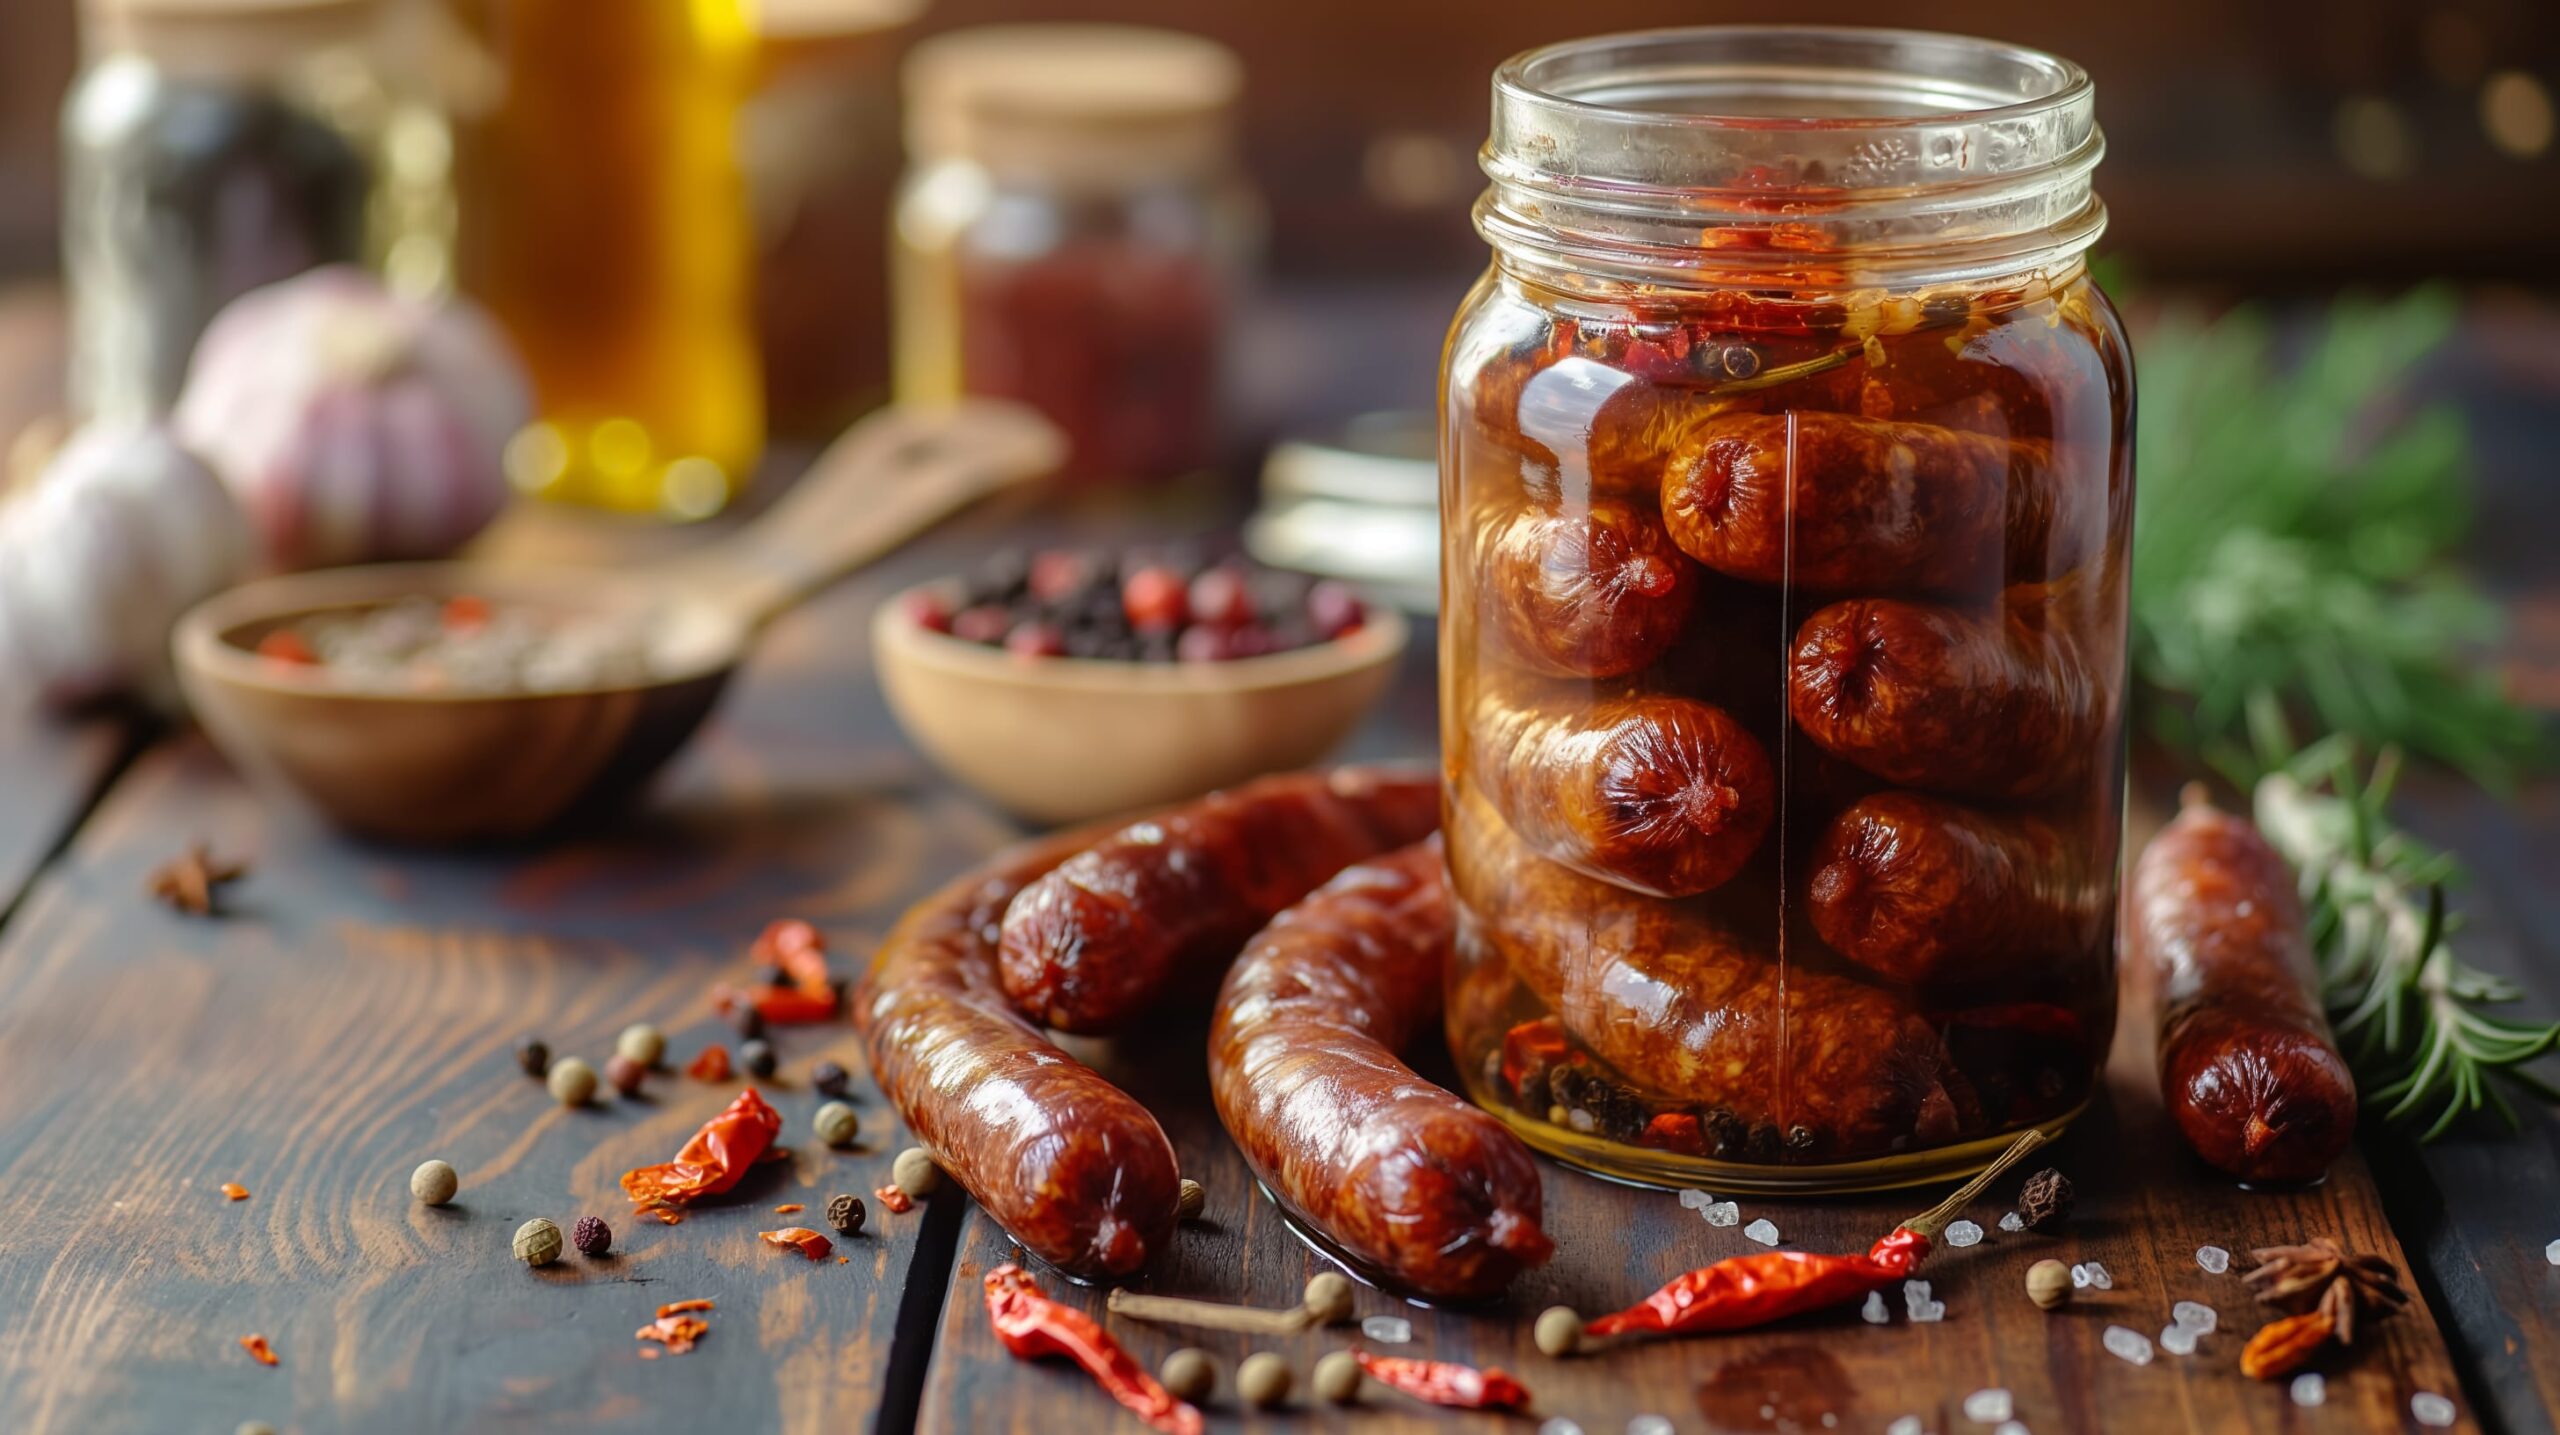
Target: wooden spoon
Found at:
448, 767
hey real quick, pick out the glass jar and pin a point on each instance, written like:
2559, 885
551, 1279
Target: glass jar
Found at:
211, 146
1071, 233
1786, 484
605, 224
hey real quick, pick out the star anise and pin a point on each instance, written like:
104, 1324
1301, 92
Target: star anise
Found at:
2292, 1276
192, 883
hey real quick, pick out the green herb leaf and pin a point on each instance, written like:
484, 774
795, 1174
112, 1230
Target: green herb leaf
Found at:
2292, 548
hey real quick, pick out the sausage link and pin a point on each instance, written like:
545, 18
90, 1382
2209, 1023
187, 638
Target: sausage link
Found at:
1993, 705
1663, 795
1095, 942
1072, 1166
2247, 1065
1839, 1067
1595, 593
1429, 1191
1871, 504
1919, 889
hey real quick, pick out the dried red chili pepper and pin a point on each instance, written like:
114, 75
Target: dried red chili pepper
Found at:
284, 645
1442, 1382
806, 994
258, 1349
1753, 1290
897, 1200
676, 1332
234, 1191
713, 1161
711, 1065
679, 1307
791, 1208
799, 1238
1031, 1325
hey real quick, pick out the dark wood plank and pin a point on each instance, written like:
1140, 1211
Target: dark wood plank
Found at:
50, 771
2144, 1209
356, 1014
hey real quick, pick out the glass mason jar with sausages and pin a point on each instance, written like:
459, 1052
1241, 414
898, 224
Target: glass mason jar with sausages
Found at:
1787, 480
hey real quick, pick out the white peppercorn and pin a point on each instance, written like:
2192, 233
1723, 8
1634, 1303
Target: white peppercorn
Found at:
1191, 1200
1189, 1374
572, 1081
915, 1172
1558, 1331
538, 1242
836, 1124
1338, 1378
434, 1183
1327, 1298
1263, 1380
642, 1043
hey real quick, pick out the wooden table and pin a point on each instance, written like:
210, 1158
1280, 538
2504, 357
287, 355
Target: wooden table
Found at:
357, 1010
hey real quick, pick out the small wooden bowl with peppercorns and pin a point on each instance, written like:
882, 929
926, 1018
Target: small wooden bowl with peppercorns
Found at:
1067, 685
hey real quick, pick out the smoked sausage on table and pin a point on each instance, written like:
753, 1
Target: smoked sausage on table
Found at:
2247, 1065
1430, 1192
1098, 940
1871, 504
1920, 889
1596, 593
1067, 1162
1696, 1013
1662, 795
1999, 704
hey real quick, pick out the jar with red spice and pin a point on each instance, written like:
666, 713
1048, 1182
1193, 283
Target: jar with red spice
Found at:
1070, 234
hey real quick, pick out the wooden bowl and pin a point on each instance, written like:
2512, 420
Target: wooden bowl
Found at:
1057, 740
438, 767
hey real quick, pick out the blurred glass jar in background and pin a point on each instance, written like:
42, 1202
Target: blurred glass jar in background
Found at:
822, 160
604, 222
1072, 232
211, 146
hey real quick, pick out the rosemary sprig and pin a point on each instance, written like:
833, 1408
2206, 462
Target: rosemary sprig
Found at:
2406, 1008
2293, 544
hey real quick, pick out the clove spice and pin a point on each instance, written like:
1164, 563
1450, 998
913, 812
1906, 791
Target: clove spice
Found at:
1322, 1304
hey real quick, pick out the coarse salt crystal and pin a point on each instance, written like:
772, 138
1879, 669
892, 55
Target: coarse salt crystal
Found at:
2099, 1279
1874, 1311
1906, 1425
2309, 1389
1930, 1313
1388, 1329
1558, 1425
1763, 1231
1724, 1213
2013, 1223
1694, 1200
2178, 1339
1988, 1407
1964, 1233
2011, 1427
2195, 1316
2432, 1409
1830, 1420
2127, 1345
2079, 1277
2551, 1253
1915, 1292
1582, 1121
2214, 1259
1650, 1425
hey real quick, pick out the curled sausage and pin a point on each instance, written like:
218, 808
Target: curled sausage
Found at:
1431, 1192
1098, 940
1871, 503
1680, 1006
1597, 593
1920, 889
2001, 705
1067, 1162
2247, 1065
1663, 795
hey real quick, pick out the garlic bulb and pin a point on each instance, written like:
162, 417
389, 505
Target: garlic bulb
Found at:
352, 424
122, 533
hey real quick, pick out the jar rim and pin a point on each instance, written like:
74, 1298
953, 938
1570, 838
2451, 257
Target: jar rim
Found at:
1529, 77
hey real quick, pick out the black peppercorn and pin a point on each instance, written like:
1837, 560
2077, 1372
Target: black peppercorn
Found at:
591, 1236
2044, 1203
845, 1213
747, 1020
534, 1057
756, 1056
830, 1078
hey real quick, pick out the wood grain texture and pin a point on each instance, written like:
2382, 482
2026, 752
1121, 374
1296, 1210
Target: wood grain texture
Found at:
50, 770
2144, 1209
